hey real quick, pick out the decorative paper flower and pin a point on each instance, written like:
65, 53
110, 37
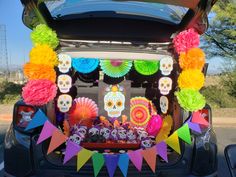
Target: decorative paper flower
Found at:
193, 59
115, 68
43, 54
39, 71
191, 78
85, 65
42, 34
39, 92
190, 99
186, 40
146, 67
154, 125
165, 129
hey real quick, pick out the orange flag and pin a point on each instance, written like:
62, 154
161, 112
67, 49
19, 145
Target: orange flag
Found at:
57, 139
150, 155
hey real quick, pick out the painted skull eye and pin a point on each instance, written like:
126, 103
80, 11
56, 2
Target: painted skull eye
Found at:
60, 62
163, 65
109, 104
162, 85
61, 102
168, 85
60, 83
169, 65
67, 83
119, 103
67, 62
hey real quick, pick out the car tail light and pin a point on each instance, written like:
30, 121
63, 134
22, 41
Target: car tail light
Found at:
23, 115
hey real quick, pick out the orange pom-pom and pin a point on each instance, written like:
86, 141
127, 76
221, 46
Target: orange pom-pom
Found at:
192, 59
39, 71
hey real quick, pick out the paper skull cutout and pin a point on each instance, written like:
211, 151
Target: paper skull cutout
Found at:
64, 63
64, 83
166, 65
64, 103
114, 102
164, 104
165, 85
76, 139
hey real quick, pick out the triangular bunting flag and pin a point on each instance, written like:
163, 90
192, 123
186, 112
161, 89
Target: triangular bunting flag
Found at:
38, 120
111, 163
197, 118
123, 164
83, 156
46, 132
162, 150
72, 150
136, 158
57, 139
173, 142
98, 162
150, 155
193, 126
184, 133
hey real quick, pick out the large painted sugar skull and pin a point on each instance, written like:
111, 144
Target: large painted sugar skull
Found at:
165, 85
64, 102
166, 65
164, 104
64, 83
64, 63
114, 101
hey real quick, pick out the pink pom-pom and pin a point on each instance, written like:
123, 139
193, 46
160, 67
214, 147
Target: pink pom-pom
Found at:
154, 125
186, 40
39, 92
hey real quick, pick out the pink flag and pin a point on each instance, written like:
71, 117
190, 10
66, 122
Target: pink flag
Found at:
197, 118
46, 132
136, 158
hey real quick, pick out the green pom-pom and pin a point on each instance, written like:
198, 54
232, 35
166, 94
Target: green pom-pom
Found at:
190, 99
42, 34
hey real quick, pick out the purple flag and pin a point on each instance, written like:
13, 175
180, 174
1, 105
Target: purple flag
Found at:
72, 149
162, 150
111, 163
46, 132
193, 126
136, 158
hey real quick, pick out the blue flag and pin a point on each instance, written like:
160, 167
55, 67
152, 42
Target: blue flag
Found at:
38, 120
111, 163
123, 164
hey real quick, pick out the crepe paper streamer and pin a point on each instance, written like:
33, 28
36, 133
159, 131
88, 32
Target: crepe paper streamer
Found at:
58, 138
190, 99
123, 164
150, 156
43, 54
162, 150
173, 142
83, 156
191, 78
98, 162
39, 92
197, 118
46, 132
42, 34
146, 67
165, 130
115, 70
85, 65
184, 134
111, 163
38, 120
72, 149
39, 71
154, 125
193, 126
136, 158
193, 59
186, 40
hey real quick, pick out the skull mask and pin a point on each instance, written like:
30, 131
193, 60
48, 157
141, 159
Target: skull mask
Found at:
76, 139
166, 66
165, 85
64, 102
64, 83
122, 133
94, 131
64, 63
164, 104
141, 134
105, 132
146, 143
131, 135
113, 135
80, 130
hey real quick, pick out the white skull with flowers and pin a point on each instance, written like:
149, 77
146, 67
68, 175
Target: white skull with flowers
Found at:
165, 85
64, 83
164, 104
64, 103
166, 65
64, 63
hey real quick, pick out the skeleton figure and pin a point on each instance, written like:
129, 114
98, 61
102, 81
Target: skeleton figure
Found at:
64, 83
141, 133
64, 63
165, 85
146, 143
131, 136
122, 133
105, 132
114, 135
76, 138
166, 65
164, 104
64, 103
80, 130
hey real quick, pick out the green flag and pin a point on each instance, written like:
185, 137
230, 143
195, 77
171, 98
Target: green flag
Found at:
98, 162
184, 133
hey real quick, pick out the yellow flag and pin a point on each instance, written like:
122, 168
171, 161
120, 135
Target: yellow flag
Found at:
83, 156
173, 142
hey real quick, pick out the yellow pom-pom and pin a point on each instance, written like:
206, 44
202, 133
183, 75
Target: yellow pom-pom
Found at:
191, 78
165, 129
43, 54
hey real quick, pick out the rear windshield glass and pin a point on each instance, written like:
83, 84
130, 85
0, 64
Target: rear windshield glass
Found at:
64, 9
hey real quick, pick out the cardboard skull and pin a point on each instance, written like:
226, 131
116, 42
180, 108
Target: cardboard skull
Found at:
164, 104
76, 138
166, 65
64, 82
114, 102
165, 85
105, 132
64, 103
64, 63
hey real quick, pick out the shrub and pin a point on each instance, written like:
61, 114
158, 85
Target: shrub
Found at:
9, 92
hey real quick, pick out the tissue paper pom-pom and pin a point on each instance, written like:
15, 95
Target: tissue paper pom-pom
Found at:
42, 34
43, 54
186, 40
165, 129
39, 92
190, 99
39, 71
192, 59
191, 78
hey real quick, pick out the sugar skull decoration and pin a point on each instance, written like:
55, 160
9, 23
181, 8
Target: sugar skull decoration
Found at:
131, 136
64, 102
166, 65
64, 63
64, 83
76, 138
147, 143
122, 133
105, 132
79, 130
164, 104
114, 135
114, 101
165, 85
